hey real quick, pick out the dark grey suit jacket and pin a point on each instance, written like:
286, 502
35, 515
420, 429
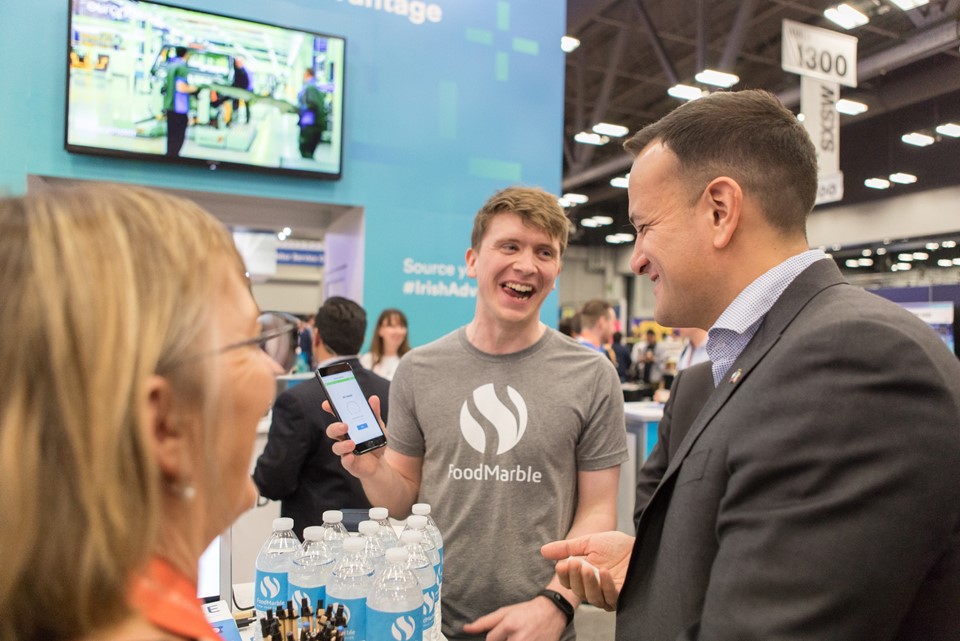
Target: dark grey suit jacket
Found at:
298, 466
688, 393
817, 494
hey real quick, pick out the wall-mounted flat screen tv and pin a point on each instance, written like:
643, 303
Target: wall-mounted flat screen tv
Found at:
151, 80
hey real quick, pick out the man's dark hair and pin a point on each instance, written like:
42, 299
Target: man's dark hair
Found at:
181, 51
341, 324
750, 137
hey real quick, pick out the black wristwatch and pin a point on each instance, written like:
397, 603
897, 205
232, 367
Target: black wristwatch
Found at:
560, 601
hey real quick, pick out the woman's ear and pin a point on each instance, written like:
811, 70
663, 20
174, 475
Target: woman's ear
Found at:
164, 432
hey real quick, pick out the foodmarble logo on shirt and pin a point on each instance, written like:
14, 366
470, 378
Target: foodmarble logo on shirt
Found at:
510, 427
510, 423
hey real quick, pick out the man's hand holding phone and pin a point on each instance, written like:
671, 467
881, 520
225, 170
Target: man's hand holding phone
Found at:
344, 447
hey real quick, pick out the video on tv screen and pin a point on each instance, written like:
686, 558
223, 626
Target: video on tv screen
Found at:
939, 316
150, 80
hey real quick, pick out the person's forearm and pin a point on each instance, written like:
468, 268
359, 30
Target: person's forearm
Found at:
599, 518
386, 487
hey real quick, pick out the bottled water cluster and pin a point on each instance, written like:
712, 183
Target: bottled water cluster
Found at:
387, 587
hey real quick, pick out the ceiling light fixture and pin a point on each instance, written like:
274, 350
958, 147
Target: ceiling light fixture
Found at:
876, 183
845, 16
717, 78
605, 128
589, 138
619, 239
603, 220
949, 244
917, 138
685, 92
945, 262
921, 255
569, 43
563, 202
620, 181
951, 129
906, 5
576, 199
881, 251
852, 263
866, 252
865, 262
903, 179
850, 107
589, 222
932, 246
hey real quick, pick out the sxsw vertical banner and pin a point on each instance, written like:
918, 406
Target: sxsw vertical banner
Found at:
824, 59
818, 103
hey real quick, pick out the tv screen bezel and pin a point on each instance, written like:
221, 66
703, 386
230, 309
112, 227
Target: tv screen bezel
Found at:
213, 165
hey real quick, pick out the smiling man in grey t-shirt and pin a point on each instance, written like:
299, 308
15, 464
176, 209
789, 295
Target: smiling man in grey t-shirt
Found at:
512, 432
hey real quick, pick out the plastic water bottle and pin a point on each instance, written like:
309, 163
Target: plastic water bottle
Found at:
349, 585
310, 569
373, 550
423, 509
427, 577
419, 523
273, 564
388, 536
334, 532
395, 604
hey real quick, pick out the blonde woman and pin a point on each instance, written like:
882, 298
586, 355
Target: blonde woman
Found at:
390, 342
132, 382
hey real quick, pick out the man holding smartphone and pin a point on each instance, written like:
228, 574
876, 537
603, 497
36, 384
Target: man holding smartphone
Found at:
508, 429
297, 467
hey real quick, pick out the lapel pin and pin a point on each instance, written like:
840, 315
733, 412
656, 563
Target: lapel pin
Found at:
736, 376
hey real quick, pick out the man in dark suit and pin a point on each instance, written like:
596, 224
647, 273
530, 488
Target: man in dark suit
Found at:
816, 494
297, 466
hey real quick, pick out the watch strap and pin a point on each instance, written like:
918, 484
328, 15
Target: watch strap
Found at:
560, 601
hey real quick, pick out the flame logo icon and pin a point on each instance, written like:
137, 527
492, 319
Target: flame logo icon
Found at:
510, 427
429, 603
269, 587
299, 596
403, 629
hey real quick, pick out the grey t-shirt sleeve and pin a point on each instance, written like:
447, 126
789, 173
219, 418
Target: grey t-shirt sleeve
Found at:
603, 440
403, 431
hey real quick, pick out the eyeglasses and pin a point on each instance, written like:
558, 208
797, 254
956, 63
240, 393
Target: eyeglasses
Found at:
278, 338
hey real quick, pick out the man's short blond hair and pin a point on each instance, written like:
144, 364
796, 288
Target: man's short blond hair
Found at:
535, 207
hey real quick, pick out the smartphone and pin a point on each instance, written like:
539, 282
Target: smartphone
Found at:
350, 406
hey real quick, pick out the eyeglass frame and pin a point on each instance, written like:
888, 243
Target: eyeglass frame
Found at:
289, 325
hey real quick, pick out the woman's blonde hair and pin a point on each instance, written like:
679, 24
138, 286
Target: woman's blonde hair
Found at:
101, 288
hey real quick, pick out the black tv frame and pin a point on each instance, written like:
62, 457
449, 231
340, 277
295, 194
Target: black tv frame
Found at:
210, 164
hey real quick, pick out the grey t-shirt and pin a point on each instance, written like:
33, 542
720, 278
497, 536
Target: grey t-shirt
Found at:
502, 438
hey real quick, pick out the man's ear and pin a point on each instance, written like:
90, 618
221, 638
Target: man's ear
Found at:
471, 260
164, 432
724, 198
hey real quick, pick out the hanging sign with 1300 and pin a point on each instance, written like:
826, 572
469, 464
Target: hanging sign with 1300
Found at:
819, 53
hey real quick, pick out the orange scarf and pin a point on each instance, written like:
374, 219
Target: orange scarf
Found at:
169, 601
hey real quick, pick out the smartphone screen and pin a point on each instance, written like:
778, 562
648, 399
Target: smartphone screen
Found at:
351, 407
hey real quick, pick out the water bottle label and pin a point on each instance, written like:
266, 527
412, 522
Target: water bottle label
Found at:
270, 591
429, 606
399, 626
355, 612
438, 570
298, 593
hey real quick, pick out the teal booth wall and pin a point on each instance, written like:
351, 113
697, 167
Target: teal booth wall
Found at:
437, 117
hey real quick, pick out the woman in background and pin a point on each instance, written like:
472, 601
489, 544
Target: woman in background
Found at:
132, 383
390, 342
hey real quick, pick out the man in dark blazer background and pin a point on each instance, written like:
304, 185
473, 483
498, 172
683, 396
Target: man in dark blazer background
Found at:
817, 493
297, 466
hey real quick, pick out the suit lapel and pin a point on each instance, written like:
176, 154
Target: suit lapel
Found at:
817, 277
